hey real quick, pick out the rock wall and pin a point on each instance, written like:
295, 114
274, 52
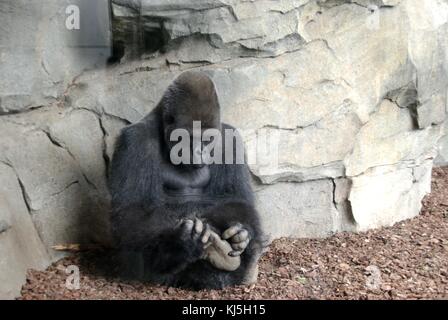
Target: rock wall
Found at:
40, 56
342, 105
442, 157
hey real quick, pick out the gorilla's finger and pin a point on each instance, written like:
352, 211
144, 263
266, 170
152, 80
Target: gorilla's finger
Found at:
230, 232
214, 238
198, 226
206, 234
241, 236
235, 253
240, 245
179, 223
187, 225
208, 244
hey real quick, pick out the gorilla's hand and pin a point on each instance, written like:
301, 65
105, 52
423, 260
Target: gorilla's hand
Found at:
238, 238
217, 252
195, 231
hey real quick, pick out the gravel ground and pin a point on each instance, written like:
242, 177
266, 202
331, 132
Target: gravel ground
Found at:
406, 261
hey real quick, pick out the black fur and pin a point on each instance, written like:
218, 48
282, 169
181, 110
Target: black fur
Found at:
150, 195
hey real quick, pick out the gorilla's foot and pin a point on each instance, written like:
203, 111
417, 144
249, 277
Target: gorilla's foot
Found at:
251, 275
218, 252
238, 237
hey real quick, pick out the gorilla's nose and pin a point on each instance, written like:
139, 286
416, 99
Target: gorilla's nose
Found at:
198, 151
201, 156
197, 156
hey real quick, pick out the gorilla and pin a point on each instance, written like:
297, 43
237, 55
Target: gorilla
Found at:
191, 225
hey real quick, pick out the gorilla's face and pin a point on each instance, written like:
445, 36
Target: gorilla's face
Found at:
191, 105
193, 124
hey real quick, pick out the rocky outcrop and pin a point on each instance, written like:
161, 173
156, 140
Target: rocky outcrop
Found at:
20, 245
442, 158
40, 55
342, 105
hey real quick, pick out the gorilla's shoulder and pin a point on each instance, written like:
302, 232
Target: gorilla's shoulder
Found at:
227, 126
147, 129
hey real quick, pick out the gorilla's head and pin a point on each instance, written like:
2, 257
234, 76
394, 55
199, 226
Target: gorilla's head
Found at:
191, 97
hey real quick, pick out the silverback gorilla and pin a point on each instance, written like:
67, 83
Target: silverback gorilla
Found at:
191, 225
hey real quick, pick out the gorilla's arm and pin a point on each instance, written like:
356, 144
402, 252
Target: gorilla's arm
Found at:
134, 177
173, 250
167, 244
232, 180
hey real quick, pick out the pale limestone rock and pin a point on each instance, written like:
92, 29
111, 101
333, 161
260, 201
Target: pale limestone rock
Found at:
313, 216
390, 138
387, 195
20, 246
40, 56
84, 146
442, 158
65, 206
